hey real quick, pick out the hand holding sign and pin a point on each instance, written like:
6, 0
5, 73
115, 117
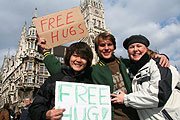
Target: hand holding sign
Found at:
54, 114
61, 27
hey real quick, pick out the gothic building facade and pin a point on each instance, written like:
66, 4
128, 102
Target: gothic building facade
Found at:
24, 73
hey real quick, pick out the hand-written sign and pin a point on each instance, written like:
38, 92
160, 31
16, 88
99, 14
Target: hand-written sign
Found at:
61, 27
83, 101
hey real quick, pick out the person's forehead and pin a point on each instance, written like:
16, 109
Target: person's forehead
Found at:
104, 41
136, 44
27, 99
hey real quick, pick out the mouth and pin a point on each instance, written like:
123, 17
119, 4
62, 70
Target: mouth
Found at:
106, 53
78, 64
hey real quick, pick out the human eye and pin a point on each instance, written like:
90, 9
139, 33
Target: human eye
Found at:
110, 44
139, 45
130, 47
101, 45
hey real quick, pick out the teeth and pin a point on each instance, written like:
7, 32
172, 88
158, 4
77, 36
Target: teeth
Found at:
78, 64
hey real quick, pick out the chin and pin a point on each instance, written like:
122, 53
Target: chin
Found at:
107, 56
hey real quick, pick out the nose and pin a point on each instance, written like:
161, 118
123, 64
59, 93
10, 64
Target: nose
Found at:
78, 59
106, 46
135, 48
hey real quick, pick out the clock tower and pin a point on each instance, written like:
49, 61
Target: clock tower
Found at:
93, 13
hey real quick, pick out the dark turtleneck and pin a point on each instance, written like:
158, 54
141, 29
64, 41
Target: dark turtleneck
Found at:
135, 66
108, 60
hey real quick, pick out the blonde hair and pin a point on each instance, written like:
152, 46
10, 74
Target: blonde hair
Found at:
151, 53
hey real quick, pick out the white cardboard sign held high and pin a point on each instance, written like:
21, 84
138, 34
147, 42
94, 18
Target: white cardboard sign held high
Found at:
83, 101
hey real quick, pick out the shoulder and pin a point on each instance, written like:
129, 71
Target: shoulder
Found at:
55, 77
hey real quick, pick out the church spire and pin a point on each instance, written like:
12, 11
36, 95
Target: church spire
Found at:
8, 54
24, 28
35, 13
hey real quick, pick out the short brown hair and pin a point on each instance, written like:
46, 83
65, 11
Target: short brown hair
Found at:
104, 36
80, 48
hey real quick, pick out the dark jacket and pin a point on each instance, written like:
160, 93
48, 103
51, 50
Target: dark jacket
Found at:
45, 98
25, 113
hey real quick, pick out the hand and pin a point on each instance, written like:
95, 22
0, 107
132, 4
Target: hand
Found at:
164, 62
54, 114
41, 43
118, 98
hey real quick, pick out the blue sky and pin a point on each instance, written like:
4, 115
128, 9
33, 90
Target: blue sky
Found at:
158, 20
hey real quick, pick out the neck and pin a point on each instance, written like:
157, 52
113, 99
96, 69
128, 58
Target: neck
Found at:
108, 60
136, 65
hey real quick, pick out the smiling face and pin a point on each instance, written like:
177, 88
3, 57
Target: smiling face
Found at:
77, 62
105, 49
136, 51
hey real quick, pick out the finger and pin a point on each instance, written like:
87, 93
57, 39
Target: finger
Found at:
161, 62
156, 56
59, 111
119, 90
57, 117
113, 95
167, 64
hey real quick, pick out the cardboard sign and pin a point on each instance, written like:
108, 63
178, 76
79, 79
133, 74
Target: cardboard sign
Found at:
83, 101
61, 27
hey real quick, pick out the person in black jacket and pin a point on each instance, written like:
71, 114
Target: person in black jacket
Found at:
25, 113
78, 60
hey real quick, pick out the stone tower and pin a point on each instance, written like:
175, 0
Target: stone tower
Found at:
93, 13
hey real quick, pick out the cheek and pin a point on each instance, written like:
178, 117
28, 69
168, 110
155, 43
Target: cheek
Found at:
144, 50
100, 49
85, 62
70, 60
112, 48
129, 52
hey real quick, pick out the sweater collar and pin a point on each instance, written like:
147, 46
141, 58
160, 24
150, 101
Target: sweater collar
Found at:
103, 62
108, 60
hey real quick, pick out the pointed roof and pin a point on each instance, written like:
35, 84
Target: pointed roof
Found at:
35, 14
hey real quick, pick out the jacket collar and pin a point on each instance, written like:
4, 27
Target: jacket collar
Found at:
69, 71
103, 62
